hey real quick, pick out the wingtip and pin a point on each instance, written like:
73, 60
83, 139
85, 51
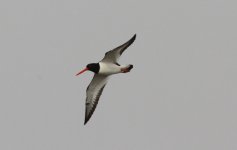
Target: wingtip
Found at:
86, 120
132, 39
134, 36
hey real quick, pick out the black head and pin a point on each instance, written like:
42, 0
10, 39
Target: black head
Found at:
94, 67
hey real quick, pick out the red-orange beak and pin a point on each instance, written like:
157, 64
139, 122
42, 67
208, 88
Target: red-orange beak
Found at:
82, 71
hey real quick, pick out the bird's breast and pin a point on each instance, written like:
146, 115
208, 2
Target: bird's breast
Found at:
109, 68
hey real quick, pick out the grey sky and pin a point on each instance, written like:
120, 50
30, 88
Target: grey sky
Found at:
181, 94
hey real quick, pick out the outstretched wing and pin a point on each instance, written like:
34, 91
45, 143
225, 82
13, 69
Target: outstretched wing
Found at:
93, 92
112, 56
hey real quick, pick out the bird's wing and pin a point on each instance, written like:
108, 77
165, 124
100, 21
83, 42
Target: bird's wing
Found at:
93, 92
112, 56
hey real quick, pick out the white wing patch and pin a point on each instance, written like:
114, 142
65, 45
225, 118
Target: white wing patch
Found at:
93, 93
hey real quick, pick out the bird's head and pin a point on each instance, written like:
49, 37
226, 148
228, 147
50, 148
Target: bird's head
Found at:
94, 67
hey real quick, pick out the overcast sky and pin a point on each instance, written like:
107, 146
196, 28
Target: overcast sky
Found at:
180, 95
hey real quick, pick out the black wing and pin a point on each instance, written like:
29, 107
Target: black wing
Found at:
112, 56
93, 92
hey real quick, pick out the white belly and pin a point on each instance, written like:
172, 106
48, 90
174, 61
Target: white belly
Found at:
109, 68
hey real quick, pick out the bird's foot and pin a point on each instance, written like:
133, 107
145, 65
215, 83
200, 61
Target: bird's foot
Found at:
127, 69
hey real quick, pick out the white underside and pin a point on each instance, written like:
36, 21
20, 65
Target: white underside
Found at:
110, 68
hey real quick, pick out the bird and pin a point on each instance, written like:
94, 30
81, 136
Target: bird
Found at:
102, 71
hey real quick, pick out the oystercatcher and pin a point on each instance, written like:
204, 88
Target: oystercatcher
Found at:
102, 70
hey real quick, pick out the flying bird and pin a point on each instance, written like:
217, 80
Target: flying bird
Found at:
102, 70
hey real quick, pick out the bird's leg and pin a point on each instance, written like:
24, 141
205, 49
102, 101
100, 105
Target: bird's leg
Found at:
126, 69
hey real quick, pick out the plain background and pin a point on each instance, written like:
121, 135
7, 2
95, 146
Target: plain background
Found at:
181, 94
